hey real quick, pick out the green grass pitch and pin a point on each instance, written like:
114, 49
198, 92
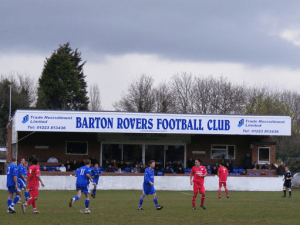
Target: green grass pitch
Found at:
121, 207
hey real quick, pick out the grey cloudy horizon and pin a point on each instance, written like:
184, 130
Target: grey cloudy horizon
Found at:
255, 35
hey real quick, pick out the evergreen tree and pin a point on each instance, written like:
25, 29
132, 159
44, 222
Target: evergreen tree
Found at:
62, 84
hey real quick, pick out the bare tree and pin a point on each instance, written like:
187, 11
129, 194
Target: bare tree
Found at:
95, 98
163, 98
140, 96
182, 93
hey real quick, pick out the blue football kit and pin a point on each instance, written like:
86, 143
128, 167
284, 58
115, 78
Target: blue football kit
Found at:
83, 181
21, 181
11, 171
148, 189
95, 173
82, 184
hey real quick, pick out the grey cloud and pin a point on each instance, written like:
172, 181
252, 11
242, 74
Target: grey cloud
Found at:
212, 31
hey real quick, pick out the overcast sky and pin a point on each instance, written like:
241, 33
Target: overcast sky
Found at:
256, 42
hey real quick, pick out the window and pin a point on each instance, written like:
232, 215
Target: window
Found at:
133, 153
174, 153
155, 152
77, 148
223, 152
111, 151
263, 155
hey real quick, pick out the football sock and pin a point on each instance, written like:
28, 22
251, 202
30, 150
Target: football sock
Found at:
155, 202
16, 199
219, 192
34, 205
26, 195
9, 202
94, 191
75, 198
226, 190
30, 201
194, 200
290, 192
202, 200
284, 192
87, 202
141, 202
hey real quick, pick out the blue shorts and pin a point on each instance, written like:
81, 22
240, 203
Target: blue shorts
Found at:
84, 190
12, 189
148, 189
22, 183
95, 180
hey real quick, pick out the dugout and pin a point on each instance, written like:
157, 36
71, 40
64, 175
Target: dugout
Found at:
139, 137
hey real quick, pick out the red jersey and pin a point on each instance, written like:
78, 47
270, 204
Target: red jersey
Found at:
33, 172
197, 172
223, 172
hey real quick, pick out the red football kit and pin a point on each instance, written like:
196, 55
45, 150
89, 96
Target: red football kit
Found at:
33, 181
198, 180
223, 173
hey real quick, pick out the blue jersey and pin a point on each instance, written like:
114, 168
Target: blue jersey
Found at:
96, 173
149, 176
11, 171
25, 172
82, 179
20, 171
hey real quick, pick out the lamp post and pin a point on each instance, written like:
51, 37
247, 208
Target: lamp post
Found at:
9, 114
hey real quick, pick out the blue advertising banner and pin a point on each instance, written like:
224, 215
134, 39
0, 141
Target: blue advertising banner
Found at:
121, 122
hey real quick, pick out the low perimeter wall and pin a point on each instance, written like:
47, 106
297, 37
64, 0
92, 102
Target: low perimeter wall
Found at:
165, 183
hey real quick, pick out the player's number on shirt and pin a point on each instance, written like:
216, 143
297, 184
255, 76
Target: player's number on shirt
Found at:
8, 170
82, 172
224, 170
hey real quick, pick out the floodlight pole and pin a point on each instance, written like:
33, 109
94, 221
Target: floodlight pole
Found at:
9, 114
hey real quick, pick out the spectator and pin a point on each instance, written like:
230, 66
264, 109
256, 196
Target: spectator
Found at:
62, 168
32, 157
214, 170
255, 166
69, 168
136, 169
247, 162
57, 169
230, 162
229, 167
52, 159
106, 164
280, 169
143, 168
67, 163
190, 162
180, 170
265, 167
44, 168
75, 165
115, 167
122, 165
82, 163
109, 169
177, 165
167, 170
170, 165
94, 160
208, 169
244, 172
217, 166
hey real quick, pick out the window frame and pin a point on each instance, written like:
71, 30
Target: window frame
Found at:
87, 148
263, 162
227, 145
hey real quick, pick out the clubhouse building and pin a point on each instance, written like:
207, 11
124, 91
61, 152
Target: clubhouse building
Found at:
140, 137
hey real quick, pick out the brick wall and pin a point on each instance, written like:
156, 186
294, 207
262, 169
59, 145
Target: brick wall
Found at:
242, 146
57, 145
